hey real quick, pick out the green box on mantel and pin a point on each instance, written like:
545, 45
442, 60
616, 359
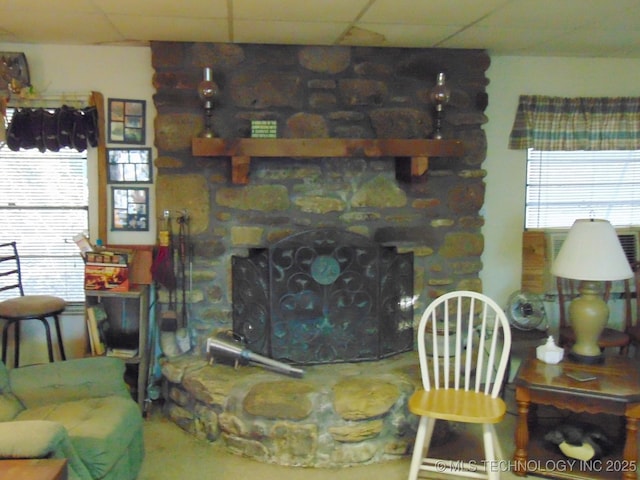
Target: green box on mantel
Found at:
264, 129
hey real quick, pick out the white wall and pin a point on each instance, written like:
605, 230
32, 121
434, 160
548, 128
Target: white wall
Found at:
116, 72
504, 203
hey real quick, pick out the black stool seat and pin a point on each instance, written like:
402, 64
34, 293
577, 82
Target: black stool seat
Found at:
21, 307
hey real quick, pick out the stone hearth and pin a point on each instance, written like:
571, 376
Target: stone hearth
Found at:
336, 415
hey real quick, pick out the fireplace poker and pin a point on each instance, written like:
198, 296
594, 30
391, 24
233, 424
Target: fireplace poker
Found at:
182, 221
182, 336
163, 271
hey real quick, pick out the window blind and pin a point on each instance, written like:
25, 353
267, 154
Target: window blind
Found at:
562, 186
43, 204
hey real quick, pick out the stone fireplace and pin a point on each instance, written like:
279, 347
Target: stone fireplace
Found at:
432, 216
320, 92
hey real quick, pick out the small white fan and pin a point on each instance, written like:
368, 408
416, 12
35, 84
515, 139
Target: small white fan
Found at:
525, 311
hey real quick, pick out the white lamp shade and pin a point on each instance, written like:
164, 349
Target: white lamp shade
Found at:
593, 252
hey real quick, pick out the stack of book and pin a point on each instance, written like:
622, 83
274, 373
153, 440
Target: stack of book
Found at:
124, 353
96, 324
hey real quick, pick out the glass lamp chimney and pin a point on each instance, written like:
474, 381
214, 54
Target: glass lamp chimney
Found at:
207, 91
439, 95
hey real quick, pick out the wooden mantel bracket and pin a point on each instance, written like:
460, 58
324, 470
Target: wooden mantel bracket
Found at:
241, 150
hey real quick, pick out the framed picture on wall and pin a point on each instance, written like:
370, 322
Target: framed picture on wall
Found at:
130, 208
129, 165
127, 121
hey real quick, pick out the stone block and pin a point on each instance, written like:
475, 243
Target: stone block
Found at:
188, 192
284, 400
363, 397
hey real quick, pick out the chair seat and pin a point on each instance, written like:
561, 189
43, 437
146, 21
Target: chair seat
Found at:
31, 306
609, 338
100, 429
458, 406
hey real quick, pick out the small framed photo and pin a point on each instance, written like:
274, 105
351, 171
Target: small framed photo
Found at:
130, 209
127, 121
129, 165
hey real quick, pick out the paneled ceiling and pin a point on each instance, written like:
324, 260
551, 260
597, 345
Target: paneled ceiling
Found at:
577, 28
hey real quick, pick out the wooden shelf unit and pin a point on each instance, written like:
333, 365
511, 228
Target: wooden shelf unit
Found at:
131, 306
240, 150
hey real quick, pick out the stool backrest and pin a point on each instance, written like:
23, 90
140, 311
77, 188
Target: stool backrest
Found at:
10, 274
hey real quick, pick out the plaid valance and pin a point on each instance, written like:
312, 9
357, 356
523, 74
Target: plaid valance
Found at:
557, 123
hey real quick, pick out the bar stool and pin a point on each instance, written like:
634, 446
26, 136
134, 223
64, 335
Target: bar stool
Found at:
25, 307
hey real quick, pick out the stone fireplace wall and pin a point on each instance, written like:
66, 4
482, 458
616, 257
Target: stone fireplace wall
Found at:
318, 92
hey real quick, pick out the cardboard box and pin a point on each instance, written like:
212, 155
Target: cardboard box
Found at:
110, 258
114, 278
140, 266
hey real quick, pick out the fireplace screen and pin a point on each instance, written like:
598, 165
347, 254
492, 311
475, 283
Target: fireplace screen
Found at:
324, 296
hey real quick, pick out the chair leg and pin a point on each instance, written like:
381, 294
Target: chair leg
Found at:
5, 338
63, 356
16, 343
492, 451
47, 330
16, 337
423, 439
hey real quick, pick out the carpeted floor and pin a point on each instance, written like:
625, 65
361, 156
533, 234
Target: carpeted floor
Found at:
172, 454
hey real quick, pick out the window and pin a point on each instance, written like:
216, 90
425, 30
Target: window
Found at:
565, 185
43, 205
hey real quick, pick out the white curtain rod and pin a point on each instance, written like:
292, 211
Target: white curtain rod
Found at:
52, 100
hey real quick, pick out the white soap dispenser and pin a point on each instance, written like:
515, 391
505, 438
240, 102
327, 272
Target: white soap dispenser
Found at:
549, 352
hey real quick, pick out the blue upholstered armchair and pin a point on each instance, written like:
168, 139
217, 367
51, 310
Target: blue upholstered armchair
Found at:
78, 409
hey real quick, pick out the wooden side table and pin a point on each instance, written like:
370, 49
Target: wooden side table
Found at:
615, 391
35, 469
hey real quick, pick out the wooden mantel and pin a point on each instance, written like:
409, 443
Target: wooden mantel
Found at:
242, 149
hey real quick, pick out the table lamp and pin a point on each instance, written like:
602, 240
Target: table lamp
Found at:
591, 254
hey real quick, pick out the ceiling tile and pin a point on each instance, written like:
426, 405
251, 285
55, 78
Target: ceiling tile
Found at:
500, 40
432, 12
73, 6
337, 11
551, 13
71, 28
166, 8
171, 29
8, 37
620, 19
409, 36
288, 33
508, 27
